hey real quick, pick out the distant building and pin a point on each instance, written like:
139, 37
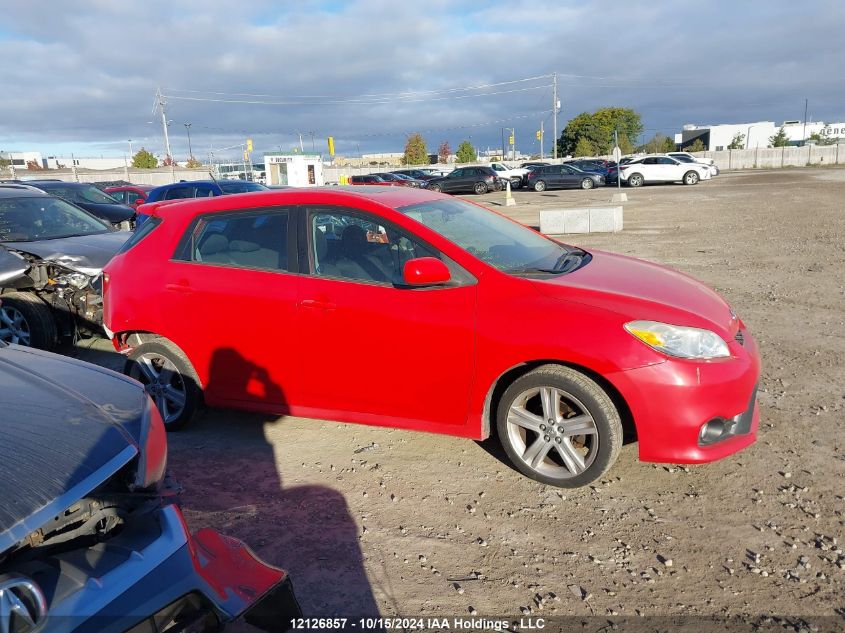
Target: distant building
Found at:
25, 160
717, 137
294, 170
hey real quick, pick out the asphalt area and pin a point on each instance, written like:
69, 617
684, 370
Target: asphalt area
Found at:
372, 520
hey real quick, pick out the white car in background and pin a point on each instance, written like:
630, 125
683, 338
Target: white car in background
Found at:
515, 174
662, 168
686, 157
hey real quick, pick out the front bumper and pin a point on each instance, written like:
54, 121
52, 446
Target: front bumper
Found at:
136, 580
672, 400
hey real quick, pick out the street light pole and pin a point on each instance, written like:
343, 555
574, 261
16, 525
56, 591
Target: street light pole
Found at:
190, 150
130, 146
554, 113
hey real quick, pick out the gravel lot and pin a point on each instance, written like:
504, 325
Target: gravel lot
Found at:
371, 520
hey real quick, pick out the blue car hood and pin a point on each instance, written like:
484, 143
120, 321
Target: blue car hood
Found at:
61, 434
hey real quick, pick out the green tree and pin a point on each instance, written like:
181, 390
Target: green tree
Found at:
4, 162
443, 152
738, 141
658, 144
821, 138
144, 160
598, 127
780, 139
193, 163
696, 146
466, 153
416, 153
583, 147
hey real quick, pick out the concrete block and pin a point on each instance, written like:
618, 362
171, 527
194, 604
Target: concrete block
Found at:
576, 220
597, 220
552, 222
619, 197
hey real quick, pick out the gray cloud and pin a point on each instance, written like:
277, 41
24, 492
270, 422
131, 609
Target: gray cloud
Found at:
86, 72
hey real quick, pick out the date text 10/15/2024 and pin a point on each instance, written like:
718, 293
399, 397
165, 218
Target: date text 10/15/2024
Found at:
418, 624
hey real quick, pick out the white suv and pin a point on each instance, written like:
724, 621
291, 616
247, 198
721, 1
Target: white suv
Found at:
515, 174
662, 168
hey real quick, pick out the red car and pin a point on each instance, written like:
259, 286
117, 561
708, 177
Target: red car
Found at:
132, 195
406, 308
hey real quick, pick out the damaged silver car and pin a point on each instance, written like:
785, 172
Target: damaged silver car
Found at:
51, 258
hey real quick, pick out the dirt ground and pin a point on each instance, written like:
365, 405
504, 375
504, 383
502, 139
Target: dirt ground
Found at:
371, 520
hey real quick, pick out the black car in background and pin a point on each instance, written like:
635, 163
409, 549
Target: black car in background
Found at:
418, 174
89, 197
400, 180
563, 177
593, 165
475, 179
52, 254
92, 537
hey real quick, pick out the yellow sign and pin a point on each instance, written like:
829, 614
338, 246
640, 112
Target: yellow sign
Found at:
249, 145
246, 155
331, 146
510, 140
539, 135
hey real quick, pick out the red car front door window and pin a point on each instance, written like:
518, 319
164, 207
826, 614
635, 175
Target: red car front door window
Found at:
376, 351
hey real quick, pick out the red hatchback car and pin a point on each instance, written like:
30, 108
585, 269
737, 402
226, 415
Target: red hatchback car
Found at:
406, 308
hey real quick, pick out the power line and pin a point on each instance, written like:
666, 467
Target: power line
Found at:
351, 101
376, 94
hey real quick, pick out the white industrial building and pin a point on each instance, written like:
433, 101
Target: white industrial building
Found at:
295, 170
717, 137
22, 160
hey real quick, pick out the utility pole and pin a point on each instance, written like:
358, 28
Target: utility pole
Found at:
804, 134
511, 142
503, 144
190, 150
301, 148
130, 146
161, 104
313, 148
554, 114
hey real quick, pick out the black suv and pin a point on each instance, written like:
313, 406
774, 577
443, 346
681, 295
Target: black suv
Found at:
467, 179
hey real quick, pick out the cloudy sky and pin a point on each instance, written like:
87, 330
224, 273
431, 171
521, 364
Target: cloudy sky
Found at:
82, 76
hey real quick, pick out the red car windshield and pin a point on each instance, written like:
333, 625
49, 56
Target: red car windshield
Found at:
506, 245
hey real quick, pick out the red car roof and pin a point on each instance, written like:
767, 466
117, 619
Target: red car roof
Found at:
393, 197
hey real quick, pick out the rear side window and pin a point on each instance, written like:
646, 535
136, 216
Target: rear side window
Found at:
177, 193
140, 233
251, 239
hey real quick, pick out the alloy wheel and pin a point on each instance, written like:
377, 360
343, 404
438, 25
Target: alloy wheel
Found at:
164, 383
552, 432
14, 328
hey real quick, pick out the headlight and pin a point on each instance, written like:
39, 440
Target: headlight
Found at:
152, 461
676, 340
76, 280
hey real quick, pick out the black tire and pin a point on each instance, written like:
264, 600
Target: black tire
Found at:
516, 182
602, 442
26, 320
587, 183
480, 188
691, 178
435, 187
540, 185
181, 377
635, 180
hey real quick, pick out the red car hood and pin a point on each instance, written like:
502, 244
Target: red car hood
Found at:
639, 289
